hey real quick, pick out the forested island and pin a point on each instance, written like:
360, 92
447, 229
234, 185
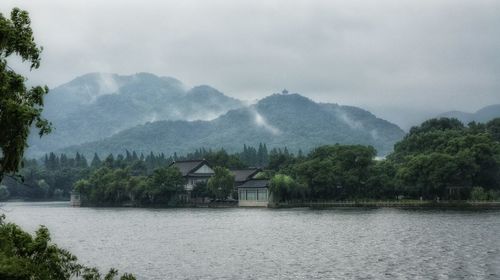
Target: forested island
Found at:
442, 159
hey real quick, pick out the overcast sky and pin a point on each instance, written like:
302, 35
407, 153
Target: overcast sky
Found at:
401, 59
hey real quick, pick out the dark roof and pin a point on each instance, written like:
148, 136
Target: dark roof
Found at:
241, 175
188, 166
255, 183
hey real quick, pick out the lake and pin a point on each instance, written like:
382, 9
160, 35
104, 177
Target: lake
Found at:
241, 243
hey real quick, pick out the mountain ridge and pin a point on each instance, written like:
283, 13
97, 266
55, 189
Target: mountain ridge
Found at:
97, 105
278, 120
482, 115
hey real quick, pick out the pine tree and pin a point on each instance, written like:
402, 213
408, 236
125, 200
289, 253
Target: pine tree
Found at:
83, 162
77, 160
53, 162
265, 160
96, 161
63, 160
109, 161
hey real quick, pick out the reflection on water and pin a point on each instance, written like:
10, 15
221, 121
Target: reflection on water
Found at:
274, 244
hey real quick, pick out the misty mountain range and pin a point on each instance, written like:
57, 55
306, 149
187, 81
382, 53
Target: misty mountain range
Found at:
95, 106
279, 120
483, 115
143, 112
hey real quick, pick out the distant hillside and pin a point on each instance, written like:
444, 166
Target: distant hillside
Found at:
95, 106
278, 120
483, 115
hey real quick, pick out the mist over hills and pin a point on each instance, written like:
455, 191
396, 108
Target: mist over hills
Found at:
279, 120
97, 105
483, 115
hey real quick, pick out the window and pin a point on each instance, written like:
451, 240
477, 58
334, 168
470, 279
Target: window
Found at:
242, 195
262, 195
251, 194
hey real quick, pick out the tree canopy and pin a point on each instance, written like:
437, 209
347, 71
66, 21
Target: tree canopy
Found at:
23, 256
222, 183
20, 107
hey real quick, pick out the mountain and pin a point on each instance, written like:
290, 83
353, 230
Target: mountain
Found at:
97, 105
279, 120
483, 115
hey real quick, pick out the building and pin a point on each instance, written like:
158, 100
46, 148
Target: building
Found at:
193, 171
243, 175
254, 193
75, 199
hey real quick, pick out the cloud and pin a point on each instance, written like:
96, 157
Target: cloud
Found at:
260, 121
107, 84
350, 122
413, 56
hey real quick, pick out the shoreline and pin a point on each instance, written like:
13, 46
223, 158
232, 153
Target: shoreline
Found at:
393, 204
413, 204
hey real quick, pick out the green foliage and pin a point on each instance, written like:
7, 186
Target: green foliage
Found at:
280, 159
284, 188
441, 124
381, 182
441, 158
165, 185
221, 185
429, 174
20, 107
53, 179
493, 128
118, 186
23, 256
255, 157
222, 158
441, 155
336, 172
200, 190
478, 193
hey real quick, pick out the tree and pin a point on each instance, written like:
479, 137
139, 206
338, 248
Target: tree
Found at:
429, 175
493, 128
221, 185
20, 107
442, 154
336, 172
478, 193
96, 161
284, 188
23, 256
165, 184
200, 190
437, 124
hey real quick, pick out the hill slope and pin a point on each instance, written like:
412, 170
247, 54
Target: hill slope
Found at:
483, 115
95, 106
278, 120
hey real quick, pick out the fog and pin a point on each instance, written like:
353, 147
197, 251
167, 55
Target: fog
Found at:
403, 60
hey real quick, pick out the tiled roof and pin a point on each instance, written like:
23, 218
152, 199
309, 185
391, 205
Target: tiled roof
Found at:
187, 166
256, 183
241, 175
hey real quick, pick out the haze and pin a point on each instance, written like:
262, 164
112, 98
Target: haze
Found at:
403, 60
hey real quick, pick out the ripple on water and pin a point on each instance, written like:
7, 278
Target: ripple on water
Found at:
275, 244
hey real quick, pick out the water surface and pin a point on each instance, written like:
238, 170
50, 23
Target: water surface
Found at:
274, 244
